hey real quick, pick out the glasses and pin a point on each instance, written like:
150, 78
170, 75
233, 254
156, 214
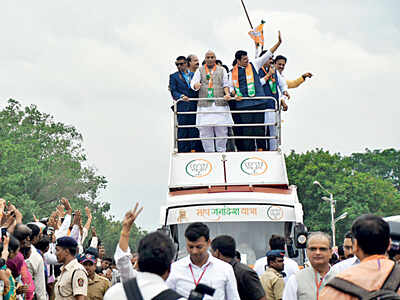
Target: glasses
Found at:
321, 249
180, 64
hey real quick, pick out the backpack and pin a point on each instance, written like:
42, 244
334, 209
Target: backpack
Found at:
388, 291
132, 292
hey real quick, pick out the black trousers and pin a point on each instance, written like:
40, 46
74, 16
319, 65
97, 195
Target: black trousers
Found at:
193, 132
252, 118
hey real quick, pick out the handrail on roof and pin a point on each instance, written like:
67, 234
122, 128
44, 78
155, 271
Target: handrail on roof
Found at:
277, 124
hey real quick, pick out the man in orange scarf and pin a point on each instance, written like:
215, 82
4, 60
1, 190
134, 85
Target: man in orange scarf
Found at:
246, 83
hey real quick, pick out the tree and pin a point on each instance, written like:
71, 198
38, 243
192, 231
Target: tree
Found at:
356, 192
42, 160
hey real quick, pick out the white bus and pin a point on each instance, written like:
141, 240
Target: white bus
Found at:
243, 194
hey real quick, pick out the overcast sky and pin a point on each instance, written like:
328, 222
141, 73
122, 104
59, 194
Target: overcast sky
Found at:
103, 67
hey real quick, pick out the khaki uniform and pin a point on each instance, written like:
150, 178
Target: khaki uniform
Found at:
68, 286
273, 284
97, 287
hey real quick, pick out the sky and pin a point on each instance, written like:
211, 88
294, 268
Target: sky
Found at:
103, 67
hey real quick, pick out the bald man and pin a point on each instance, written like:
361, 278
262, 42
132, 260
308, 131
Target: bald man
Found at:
212, 83
308, 283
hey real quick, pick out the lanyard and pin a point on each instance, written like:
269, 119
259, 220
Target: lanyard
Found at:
318, 284
201, 276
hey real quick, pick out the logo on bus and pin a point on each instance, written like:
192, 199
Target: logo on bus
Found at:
198, 168
254, 166
275, 213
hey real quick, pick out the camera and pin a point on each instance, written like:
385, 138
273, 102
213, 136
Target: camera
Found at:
50, 230
200, 291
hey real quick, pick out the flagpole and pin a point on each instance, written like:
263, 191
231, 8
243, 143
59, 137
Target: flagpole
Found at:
245, 10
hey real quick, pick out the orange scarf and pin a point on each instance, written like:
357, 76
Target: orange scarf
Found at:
249, 79
210, 93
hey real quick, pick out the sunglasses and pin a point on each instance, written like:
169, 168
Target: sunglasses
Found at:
180, 64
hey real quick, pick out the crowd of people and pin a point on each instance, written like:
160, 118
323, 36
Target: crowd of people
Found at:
51, 259
246, 98
368, 266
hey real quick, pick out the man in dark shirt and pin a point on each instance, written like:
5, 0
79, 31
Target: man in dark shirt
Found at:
223, 247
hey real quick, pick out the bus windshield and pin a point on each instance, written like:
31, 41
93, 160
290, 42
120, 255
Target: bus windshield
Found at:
251, 237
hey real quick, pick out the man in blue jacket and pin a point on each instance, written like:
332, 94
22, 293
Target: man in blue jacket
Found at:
179, 84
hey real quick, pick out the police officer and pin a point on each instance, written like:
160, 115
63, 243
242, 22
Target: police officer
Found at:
97, 285
72, 284
272, 279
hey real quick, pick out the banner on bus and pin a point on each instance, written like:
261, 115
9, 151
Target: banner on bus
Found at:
231, 213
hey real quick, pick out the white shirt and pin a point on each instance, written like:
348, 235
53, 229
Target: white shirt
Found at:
197, 78
124, 265
63, 230
345, 264
150, 285
216, 274
35, 265
290, 267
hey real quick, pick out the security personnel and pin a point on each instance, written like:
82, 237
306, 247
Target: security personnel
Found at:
72, 284
98, 285
272, 279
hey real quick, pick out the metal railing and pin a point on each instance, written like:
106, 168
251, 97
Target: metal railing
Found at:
277, 123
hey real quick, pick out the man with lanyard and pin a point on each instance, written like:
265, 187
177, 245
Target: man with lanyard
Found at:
212, 82
271, 81
246, 83
308, 283
179, 84
371, 238
201, 267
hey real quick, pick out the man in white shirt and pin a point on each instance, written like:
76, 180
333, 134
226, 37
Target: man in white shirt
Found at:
351, 259
201, 267
156, 252
277, 242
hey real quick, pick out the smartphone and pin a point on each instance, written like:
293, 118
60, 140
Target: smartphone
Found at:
3, 233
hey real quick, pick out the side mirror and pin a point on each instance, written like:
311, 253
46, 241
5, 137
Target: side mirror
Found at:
300, 236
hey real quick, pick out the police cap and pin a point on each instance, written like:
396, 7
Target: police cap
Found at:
66, 242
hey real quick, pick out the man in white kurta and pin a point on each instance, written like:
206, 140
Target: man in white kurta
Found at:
213, 116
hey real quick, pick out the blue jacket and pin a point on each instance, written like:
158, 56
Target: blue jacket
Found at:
243, 89
179, 87
268, 91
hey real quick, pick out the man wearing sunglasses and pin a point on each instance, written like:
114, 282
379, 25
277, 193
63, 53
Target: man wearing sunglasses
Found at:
308, 283
179, 84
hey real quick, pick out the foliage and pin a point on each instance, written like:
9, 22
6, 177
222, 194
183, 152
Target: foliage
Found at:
361, 183
42, 160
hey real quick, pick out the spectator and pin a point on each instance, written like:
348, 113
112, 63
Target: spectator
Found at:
350, 259
249, 286
246, 83
201, 266
211, 81
179, 83
277, 242
308, 283
373, 270
272, 279
156, 252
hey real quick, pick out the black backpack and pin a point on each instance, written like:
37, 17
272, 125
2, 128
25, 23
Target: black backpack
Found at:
132, 292
388, 291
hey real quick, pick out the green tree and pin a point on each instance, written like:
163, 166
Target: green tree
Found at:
42, 160
356, 192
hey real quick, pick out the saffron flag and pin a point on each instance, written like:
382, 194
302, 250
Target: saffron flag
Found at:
257, 34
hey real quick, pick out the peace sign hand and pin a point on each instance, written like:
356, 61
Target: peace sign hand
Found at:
130, 217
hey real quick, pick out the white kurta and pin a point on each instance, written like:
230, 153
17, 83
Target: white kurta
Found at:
223, 114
